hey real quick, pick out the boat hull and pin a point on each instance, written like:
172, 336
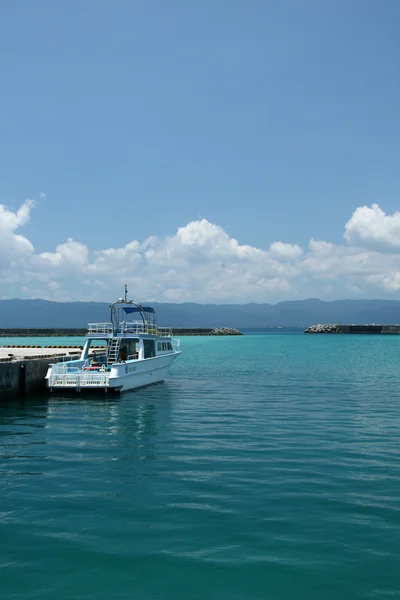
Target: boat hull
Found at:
137, 374
123, 376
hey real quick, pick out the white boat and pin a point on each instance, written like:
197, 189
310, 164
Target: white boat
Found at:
133, 354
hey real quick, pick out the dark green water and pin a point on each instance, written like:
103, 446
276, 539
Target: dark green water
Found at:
266, 468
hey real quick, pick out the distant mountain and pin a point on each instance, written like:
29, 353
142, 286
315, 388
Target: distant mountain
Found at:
298, 313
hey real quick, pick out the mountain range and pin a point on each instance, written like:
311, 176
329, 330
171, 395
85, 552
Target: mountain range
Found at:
18, 313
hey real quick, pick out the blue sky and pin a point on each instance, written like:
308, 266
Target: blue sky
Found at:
274, 121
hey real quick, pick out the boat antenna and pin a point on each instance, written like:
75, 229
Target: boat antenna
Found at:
126, 293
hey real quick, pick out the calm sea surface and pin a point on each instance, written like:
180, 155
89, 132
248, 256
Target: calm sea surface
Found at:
267, 467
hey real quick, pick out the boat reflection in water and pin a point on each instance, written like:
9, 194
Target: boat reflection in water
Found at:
112, 428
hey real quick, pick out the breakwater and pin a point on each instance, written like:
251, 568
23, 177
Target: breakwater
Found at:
360, 329
33, 332
50, 332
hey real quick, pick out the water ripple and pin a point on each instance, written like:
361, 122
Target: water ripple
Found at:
272, 475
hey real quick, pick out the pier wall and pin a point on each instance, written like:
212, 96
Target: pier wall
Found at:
21, 377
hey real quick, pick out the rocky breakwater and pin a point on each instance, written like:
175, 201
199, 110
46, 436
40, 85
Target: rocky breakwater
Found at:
323, 329
225, 331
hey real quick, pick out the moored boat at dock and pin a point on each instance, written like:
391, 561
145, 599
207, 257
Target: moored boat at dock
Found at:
135, 353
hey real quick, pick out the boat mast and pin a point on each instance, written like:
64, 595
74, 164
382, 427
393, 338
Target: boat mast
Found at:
126, 292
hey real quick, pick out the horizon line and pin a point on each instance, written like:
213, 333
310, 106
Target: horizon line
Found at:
206, 303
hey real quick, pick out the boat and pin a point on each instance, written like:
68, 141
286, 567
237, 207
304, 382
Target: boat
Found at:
121, 355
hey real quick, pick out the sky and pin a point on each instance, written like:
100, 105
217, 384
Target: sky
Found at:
205, 151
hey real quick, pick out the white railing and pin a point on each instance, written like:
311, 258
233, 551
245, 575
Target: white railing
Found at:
63, 368
164, 331
132, 327
176, 342
137, 327
79, 380
91, 379
100, 328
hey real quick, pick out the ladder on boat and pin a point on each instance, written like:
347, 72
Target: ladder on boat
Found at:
113, 350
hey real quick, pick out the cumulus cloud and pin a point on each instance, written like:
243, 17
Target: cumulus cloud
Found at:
13, 246
202, 263
370, 227
285, 251
69, 254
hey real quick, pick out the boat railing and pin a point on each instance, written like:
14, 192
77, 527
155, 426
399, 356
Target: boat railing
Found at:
176, 342
136, 327
100, 328
164, 331
132, 327
79, 380
64, 367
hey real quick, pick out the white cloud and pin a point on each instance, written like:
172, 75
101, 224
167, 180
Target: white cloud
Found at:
285, 251
202, 263
66, 255
370, 227
13, 246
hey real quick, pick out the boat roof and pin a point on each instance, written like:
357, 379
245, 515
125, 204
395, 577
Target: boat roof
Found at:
131, 307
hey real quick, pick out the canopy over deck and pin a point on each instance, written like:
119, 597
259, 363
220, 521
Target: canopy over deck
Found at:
124, 307
131, 308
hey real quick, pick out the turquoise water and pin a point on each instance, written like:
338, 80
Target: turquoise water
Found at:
267, 467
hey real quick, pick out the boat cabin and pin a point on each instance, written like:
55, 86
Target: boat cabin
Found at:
131, 334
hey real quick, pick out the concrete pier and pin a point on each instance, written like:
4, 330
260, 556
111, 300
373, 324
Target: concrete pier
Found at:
23, 369
10, 353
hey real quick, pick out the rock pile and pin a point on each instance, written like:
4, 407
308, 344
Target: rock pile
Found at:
225, 331
323, 329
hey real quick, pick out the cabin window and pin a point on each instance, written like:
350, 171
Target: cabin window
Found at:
128, 349
164, 346
159, 346
149, 348
169, 346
